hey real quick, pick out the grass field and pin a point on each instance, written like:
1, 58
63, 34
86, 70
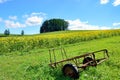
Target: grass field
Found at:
33, 64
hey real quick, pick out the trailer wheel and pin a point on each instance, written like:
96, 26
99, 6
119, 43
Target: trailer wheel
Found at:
70, 70
88, 59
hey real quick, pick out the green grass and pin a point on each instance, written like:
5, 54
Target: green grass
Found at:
33, 65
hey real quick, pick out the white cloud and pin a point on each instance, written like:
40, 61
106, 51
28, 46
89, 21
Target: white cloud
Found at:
12, 24
2, 1
116, 3
116, 24
40, 14
34, 20
1, 19
13, 17
104, 1
79, 25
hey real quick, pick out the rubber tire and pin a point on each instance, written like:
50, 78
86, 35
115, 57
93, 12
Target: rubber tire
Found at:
73, 71
87, 59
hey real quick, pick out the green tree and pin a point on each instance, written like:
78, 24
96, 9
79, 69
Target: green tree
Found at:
54, 25
7, 32
22, 32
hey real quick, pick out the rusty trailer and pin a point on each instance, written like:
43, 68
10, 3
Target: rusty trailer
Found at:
72, 66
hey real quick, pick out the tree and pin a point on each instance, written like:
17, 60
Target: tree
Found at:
7, 32
54, 25
22, 32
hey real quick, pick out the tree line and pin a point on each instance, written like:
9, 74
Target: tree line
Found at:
48, 26
7, 32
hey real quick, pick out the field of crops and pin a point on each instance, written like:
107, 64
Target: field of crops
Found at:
26, 43
26, 58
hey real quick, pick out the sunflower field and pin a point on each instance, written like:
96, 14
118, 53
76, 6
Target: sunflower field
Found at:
26, 43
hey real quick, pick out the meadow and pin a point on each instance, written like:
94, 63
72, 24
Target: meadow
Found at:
26, 57
48, 40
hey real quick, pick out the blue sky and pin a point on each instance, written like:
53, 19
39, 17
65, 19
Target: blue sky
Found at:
28, 15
